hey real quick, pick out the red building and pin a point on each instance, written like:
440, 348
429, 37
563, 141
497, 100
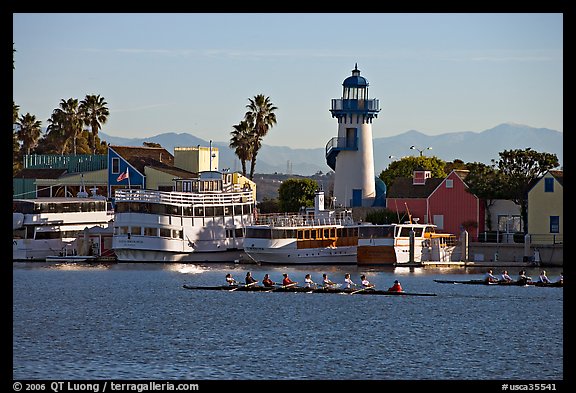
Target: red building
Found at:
445, 203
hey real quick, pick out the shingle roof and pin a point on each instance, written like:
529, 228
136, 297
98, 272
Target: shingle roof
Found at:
402, 187
141, 156
558, 175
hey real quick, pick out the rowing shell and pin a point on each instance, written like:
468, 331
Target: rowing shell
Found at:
513, 283
308, 290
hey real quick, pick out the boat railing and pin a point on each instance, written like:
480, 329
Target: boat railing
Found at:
298, 220
183, 198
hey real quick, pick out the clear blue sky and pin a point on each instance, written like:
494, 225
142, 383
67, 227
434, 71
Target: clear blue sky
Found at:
435, 73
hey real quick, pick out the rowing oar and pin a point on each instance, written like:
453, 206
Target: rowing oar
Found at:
360, 290
245, 286
282, 287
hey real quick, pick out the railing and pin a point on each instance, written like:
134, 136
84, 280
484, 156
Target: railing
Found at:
182, 198
341, 143
298, 220
372, 105
73, 163
519, 237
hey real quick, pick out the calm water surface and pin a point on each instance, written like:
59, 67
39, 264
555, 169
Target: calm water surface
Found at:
136, 321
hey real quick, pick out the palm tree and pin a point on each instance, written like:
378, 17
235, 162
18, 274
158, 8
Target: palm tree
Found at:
67, 120
241, 143
261, 115
15, 142
29, 131
94, 114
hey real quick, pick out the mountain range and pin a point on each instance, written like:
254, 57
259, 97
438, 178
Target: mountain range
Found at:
467, 146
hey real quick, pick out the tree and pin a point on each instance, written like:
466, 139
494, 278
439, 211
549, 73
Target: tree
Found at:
487, 183
67, 120
261, 117
268, 205
94, 114
520, 168
382, 216
296, 193
406, 166
29, 131
242, 142
15, 143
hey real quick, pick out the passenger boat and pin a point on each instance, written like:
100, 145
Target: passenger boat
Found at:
203, 221
49, 226
314, 236
502, 282
389, 244
250, 288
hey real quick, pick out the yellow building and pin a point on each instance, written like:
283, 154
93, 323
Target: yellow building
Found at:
196, 159
546, 208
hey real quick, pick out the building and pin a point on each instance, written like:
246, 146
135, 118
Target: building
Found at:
546, 208
444, 202
350, 154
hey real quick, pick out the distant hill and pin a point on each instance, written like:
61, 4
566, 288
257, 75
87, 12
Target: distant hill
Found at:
467, 146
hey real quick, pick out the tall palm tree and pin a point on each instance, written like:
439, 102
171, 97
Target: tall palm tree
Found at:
94, 114
241, 142
29, 131
261, 115
68, 121
15, 142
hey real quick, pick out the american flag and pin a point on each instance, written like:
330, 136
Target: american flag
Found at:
123, 175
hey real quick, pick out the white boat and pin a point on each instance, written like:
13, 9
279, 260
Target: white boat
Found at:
315, 236
318, 236
205, 223
389, 244
48, 226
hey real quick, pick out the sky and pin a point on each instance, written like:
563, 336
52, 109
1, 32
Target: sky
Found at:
195, 72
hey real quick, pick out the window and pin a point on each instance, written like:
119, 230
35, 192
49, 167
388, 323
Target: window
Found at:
554, 224
115, 165
509, 223
449, 183
548, 184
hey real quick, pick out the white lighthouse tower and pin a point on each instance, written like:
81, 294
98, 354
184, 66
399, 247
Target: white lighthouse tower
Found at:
350, 154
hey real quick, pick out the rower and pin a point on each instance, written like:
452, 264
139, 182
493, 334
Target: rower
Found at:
326, 281
287, 281
489, 277
396, 287
365, 283
249, 279
230, 280
348, 281
308, 281
267, 281
505, 276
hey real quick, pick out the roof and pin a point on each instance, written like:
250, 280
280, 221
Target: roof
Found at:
355, 80
40, 173
403, 187
143, 156
558, 175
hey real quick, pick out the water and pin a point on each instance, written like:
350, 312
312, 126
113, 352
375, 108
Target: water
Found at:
136, 321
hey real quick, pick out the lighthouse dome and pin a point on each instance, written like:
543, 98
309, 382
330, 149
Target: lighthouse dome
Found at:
355, 80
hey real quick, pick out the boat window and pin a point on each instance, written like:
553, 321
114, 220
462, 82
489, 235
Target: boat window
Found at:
339, 232
136, 230
209, 211
418, 232
313, 234
300, 234
218, 211
238, 232
259, 233
165, 232
278, 234
150, 231
177, 234
199, 211
227, 210
188, 211
290, 233
48, 235
326, 233
307, 234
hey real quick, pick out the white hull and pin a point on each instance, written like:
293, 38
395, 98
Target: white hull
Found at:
38, 250
305, 256
132, 255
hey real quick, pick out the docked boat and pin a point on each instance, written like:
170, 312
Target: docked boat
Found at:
314, 236
202, 221
292, 289
390, 244
502, 282
51, 227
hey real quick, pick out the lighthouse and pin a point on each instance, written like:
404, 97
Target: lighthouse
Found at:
350, 154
